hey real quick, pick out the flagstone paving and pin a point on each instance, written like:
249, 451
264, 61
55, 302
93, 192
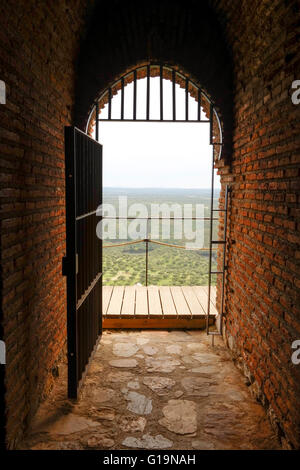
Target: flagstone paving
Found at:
154, 390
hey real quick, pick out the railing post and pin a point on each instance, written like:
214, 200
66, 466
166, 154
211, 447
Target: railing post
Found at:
146, 240
146, 262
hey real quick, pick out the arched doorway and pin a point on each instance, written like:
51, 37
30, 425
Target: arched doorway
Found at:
186, 307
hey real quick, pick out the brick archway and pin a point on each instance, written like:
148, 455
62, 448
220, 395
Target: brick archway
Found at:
185, 36
178, 77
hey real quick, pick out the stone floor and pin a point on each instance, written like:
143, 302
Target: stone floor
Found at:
154, 390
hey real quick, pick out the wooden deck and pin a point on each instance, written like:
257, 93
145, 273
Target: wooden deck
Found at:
157, 306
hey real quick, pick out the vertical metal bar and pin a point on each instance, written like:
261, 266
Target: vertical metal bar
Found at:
147, 263
147, 253
199, 104
70, 172
224, 255
134, 95
174, 94
148, 94
161, 93
109, 103
99, 177
83, 310
122, 98
210, 240
186, 99
97, 121
211, 130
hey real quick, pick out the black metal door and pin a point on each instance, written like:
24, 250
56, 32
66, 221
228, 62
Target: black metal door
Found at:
83, 262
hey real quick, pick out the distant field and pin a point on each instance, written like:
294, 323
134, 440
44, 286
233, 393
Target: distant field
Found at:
166, 265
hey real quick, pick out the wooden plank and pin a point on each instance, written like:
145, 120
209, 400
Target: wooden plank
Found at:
202, 294
143, 322
128, 306
213, 309
154, 301
141, 301
181, 306
106, 295
115, 304
167, 303
192, 301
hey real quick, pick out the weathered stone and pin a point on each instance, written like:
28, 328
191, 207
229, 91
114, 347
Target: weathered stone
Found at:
142, 341
210, 369
206, 358
162, 364
92, 380
138, 404
159, 385
180, 416
125, 349
233, 395
120, 376
107, 414
95, 368
178, 393
99, 442
148, 442
134, 384
70, 424
57, 445
178, 335
101, 395
150, 350
224, 421
203, 445
133, 425
174, 349
197, 386
197, 347
189, 360
229, 417
126, 363
104, 341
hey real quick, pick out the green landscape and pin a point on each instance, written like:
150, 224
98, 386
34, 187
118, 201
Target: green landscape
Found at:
126, 265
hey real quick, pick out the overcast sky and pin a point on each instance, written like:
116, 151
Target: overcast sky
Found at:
160, 155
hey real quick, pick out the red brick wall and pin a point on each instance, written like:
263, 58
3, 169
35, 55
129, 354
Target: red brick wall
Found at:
263, 280
38, 44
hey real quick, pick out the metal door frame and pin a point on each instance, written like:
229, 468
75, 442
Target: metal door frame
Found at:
77, 367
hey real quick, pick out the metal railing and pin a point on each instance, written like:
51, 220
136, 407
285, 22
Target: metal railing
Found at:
148, 240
